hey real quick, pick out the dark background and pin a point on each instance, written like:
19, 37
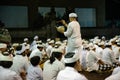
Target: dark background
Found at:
112, 9
106, 10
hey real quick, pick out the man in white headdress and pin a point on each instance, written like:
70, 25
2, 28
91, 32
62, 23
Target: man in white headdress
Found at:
36, 38
92, 60
35, 46
26, 40
70, 72
116, 50
73, 33
49, 48
84, 52
99, 49
47, 42
20, 63
108, 55
53, 65
6, 62
39, 51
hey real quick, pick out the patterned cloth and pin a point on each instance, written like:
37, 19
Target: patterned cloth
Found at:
107, 67
114, 65
104, 67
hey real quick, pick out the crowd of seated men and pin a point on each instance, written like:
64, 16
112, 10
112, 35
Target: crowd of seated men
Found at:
48, 60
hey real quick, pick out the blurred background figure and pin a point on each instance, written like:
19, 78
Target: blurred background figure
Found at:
5, 37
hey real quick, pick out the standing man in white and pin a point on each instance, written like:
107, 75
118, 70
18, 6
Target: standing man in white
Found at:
73, 33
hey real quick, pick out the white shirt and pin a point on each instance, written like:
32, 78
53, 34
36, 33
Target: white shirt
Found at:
74, 36
108, 56
34, 73
116, 51
7, 74
99, 52
50, 71
33, 43
19, 63
83, 58
91, 60
115, 74
70, 73
33, 47
116, 70
114, 77
49, 50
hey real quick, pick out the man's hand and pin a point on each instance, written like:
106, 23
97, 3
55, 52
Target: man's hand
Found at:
64, 23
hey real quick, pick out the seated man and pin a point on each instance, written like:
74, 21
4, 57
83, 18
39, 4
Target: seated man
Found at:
6, 62
93, 62
70, 72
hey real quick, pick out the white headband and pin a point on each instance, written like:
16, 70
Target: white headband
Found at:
72, 15
3, 45
6, 58
73, 59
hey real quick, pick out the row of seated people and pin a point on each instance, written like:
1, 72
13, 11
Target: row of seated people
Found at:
96, 55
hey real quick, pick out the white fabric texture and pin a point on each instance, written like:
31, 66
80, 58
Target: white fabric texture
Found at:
34, 73
108, 56
50, 71
91, 60
19, 63
7, 74
74, 36
70, 73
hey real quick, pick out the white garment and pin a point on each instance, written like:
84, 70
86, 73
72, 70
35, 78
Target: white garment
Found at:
19, 63
91, 60
70, 73
113, 46
115, 75
32, 45
74, 36
7, 74
116, 70
119, 59
50, 71
116, 51
108, 56
46, 45
49, 50
83, 58
34, 73
99, 52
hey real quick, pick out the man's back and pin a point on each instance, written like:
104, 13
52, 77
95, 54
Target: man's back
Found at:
70, 73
